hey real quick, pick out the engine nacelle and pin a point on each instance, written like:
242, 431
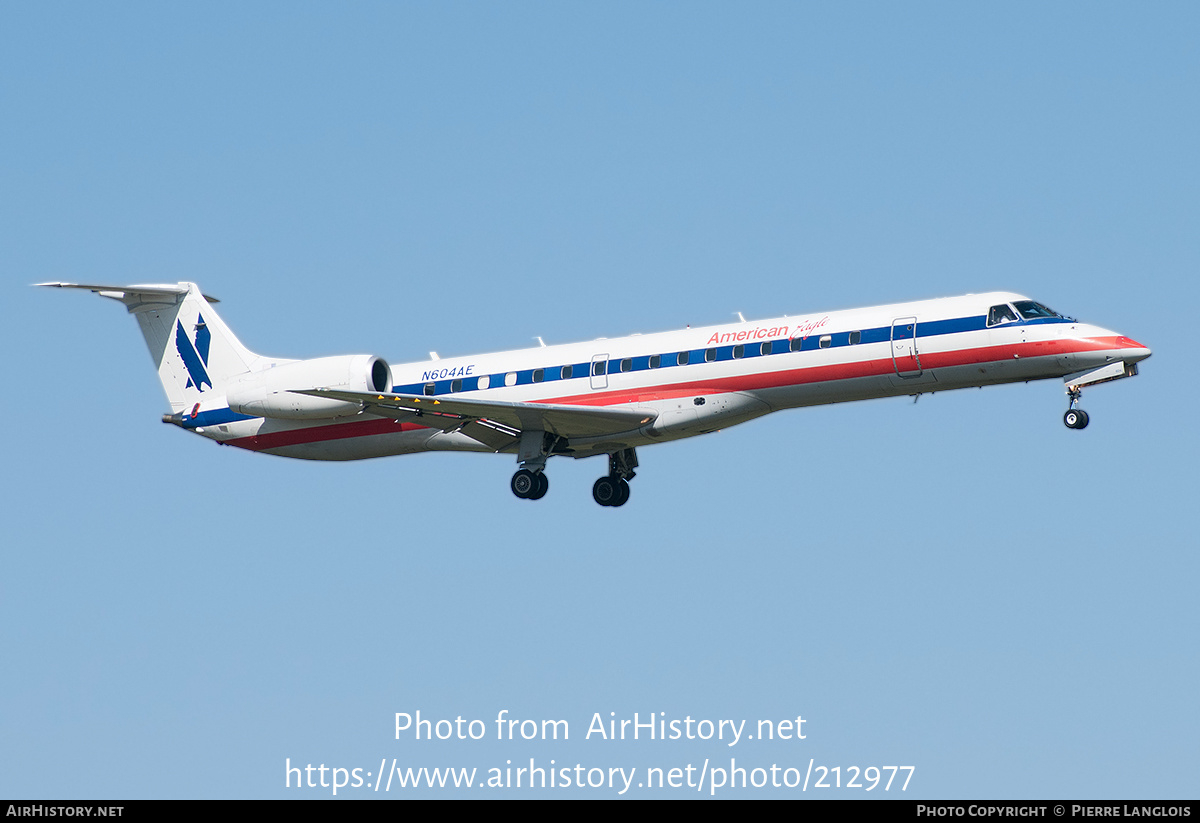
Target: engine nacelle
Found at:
268, 393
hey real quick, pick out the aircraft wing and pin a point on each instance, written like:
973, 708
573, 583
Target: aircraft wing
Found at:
496, 423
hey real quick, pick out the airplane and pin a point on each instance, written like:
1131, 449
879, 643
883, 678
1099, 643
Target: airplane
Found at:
608, 396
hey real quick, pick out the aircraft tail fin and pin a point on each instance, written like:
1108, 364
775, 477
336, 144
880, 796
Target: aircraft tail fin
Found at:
194, 351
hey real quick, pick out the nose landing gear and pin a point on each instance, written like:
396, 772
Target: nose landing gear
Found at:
1075, 418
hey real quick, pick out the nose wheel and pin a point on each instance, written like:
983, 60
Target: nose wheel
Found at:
1075, 418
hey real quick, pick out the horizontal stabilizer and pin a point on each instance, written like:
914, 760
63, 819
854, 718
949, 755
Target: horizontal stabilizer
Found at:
118, 292
195, 353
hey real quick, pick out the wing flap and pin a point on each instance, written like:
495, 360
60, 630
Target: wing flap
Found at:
498, 417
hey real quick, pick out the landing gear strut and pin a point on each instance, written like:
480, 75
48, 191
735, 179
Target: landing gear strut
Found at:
613, 490
530, 481
1075, 418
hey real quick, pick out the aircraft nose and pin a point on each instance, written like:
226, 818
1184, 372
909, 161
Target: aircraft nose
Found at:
1137, 350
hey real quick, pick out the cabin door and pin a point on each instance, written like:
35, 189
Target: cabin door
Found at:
905, 357
599, 372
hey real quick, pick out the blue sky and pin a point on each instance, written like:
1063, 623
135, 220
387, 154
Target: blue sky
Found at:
180, 620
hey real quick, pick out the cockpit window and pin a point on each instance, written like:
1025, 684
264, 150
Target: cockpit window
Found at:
1031, 310
1001, 314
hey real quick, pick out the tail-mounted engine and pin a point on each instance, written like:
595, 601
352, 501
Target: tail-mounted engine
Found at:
270, 393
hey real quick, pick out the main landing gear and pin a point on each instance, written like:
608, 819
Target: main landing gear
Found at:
530, 485
613, 490
1075, 418
610, 490
530, 481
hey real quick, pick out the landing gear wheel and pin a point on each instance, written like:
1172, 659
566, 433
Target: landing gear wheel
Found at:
610, 491
606, 491
623, 493
1076, 419
543, 486
525, 484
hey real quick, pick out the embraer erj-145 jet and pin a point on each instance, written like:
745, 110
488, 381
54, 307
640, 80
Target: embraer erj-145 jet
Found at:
609, 396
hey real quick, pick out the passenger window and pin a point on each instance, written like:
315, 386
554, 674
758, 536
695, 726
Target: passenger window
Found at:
566, 372
682, 359
599, 367
855, 338
627, 364
797, 343
738, 351
455, 385
765, 348
484, 382
655, 361
710, 355
1001, 314
510, 379
826, 341
429, 389
539, 375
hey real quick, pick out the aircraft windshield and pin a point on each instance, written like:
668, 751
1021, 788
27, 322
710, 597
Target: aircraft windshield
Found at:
1031, 310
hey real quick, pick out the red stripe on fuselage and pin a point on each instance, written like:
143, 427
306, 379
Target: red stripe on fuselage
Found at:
745, 382
842, 371
317, 434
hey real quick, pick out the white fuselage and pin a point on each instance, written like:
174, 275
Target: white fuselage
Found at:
697, 380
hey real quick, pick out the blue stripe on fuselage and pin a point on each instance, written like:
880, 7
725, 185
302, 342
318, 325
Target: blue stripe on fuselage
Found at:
214, 417
668, 360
